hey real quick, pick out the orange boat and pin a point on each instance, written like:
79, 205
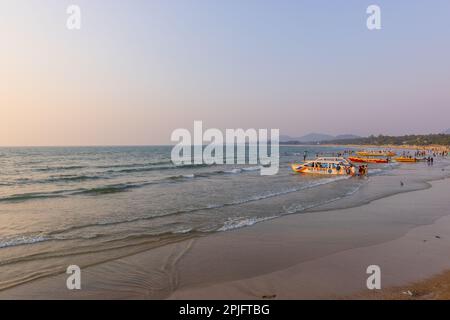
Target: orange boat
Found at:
368, 160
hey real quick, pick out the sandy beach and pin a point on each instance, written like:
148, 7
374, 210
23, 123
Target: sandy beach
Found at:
319, 255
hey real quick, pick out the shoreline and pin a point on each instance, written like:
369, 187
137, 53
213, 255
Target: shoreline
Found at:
251, 258
416, 254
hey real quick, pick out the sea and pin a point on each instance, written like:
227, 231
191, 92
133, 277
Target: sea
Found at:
86, 205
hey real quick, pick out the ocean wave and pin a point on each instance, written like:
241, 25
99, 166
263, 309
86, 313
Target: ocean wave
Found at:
284, 192
230, 224
213, 173
296, 208
123, 187
110, 188
240, 222
70, 178
56, 179
180, 177
132, 165
128, 168
205, 208
60, 168
21, 240
182, 230
94, 191
33, 195
233, 171
158, 168
114, 188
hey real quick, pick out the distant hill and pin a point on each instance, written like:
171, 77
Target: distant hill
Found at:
447, 132
284, 138
317, 137
312, 137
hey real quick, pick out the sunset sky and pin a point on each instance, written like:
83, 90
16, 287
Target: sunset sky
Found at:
137, 70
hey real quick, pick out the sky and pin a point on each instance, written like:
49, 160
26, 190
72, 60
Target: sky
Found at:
137, 70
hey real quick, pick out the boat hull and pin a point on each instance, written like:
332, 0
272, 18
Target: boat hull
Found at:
367, 160
299, 168
410, 160
375, 154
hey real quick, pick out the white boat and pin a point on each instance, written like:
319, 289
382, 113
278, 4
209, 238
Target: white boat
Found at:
326, 165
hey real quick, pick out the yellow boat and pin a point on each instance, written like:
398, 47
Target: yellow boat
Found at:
405, 159
368, 160
376, 153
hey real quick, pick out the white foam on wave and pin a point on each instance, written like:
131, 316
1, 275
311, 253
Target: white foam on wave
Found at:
300, 208
234, 171
286, 191
183, 230
21, 240
240, 222
241, 170
265, 196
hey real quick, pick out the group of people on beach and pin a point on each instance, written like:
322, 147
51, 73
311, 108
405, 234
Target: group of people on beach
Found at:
333, 154
435, 152
422, 153
362, 170
426, 155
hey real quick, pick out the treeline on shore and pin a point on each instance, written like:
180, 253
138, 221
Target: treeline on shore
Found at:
417, 140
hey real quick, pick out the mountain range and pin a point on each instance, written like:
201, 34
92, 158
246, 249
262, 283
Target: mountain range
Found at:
317, 137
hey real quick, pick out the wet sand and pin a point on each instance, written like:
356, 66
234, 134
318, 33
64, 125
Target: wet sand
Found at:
304, 256
413, 253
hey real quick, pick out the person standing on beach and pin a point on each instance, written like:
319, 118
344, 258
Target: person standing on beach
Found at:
361, 171
305, 153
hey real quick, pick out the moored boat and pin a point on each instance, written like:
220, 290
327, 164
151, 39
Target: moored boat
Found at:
325, 165
406, 159
367, 160
376, 153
